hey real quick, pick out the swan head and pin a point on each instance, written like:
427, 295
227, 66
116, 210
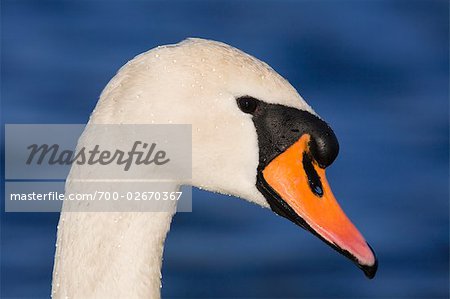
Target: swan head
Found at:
253, 135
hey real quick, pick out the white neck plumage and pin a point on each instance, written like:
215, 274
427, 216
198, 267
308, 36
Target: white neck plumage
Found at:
110, 254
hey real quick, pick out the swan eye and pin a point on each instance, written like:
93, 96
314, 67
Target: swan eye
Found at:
247, 104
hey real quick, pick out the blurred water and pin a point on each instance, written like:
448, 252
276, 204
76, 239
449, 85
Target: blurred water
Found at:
377, 71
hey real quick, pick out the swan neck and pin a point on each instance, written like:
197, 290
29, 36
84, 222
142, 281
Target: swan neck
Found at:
110, 255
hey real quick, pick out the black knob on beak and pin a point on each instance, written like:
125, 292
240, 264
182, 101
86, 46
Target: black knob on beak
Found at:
278, 127
324, 144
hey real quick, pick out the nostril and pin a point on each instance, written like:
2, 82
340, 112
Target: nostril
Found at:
314, 181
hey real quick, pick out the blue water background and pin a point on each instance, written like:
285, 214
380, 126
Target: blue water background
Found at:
376, 70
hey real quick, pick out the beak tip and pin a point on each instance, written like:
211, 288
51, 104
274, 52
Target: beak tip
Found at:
370, 271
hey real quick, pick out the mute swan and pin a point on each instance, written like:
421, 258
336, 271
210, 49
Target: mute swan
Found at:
253, 136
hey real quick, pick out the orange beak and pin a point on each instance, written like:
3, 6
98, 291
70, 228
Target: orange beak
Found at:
306, 198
